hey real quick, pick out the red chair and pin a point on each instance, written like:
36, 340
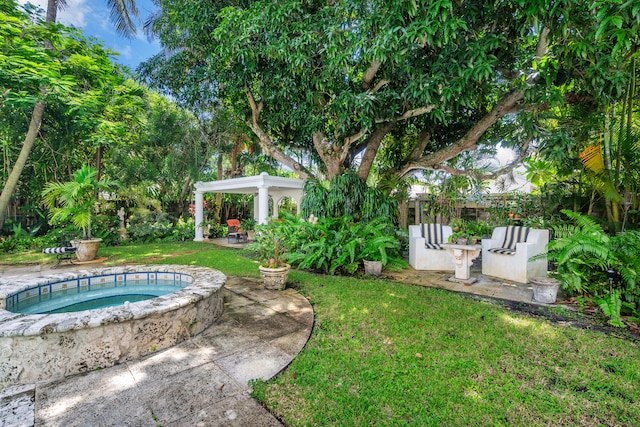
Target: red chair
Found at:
233, 231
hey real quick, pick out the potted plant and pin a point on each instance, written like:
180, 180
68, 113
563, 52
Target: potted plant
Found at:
377, 245
270, 247
469, 232
76, 200
248, 225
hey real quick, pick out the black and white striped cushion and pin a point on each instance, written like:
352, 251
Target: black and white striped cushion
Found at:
515, 234
58, 250
503, 251
432, 233
433, 236
433, 246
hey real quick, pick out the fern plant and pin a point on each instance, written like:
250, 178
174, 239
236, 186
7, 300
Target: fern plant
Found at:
347, 195
583, 253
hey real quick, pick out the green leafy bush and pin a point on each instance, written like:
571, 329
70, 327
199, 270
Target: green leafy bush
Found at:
150, 227
272, 242
473, 230
347, 195
336, 245
583, 253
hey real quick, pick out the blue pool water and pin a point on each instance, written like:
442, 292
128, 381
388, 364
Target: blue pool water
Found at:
96, 296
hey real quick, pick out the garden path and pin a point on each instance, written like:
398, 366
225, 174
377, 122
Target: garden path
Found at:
202, 381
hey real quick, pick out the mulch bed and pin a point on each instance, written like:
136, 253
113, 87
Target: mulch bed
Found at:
587, 317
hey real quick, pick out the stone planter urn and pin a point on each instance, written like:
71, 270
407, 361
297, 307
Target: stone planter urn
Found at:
275, 278
373, 268
86, 250
545, 289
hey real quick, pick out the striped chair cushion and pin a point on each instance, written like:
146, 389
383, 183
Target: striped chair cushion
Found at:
433, 246
515, 234
58, 250
433, 236
503, 251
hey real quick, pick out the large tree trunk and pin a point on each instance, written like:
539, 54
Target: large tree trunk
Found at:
373, 144
16, 171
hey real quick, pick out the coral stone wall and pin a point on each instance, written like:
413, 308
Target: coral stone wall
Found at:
51, 346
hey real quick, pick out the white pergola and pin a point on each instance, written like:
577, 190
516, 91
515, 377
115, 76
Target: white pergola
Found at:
262, 186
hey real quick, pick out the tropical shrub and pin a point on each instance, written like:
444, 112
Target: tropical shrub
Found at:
107, 228
337, 245
185, 230
77, 199
584, 253
20, 240
272, 244
150, 227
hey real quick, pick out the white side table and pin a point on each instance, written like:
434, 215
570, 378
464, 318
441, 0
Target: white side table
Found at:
463, 256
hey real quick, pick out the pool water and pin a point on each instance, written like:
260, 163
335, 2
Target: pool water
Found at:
100, 296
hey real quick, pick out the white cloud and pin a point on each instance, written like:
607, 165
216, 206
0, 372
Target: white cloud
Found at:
73, 14
124, 51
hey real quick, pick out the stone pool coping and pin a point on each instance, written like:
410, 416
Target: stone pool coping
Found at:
205, 281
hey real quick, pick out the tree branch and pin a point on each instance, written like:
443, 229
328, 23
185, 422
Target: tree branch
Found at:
468, 141
409, 114
370, 74
480, 175
256, 108
373, 144
265, 142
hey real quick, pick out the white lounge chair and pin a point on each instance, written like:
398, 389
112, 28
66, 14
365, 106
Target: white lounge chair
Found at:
507, 253
425, 247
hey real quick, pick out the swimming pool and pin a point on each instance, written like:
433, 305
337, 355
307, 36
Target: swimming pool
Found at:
95, 292
36, 347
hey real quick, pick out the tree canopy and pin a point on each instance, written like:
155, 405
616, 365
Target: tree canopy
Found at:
323, 83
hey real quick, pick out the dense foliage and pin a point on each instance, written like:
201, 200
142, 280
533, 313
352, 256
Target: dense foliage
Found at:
330, 245
584, 253
324, 85
347, 195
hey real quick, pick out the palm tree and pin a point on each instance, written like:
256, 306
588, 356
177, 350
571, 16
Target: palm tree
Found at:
122, 12
76, 199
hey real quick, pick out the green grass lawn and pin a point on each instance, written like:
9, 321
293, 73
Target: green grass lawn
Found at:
384, 353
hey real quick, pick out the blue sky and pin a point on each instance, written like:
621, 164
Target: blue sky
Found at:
92, 16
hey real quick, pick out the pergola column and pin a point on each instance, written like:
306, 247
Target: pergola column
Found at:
256, 208
263, 204
276, 202
199, 217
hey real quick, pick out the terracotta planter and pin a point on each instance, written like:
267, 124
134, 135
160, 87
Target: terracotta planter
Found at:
373, 268
275, 278
86, 250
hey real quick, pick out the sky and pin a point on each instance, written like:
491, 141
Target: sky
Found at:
92, 17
